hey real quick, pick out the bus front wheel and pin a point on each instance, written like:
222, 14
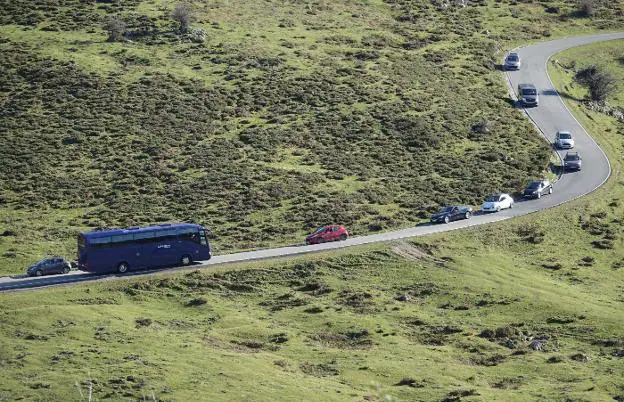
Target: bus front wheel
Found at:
185, 260
122, 267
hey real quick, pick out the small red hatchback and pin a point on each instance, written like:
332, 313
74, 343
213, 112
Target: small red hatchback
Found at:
328, 233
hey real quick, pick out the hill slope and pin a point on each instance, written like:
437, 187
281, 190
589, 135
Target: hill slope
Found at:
286, 117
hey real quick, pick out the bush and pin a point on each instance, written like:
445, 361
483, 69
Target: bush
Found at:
196, 302
587, 261
603, 244
599, 82
116, 28
587, 8
183, 15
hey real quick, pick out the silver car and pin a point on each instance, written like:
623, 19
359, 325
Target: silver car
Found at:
564, 140
512, 62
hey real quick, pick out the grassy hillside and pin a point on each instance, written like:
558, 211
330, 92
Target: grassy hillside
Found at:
528, 309
492, 314
287, 116
608, 55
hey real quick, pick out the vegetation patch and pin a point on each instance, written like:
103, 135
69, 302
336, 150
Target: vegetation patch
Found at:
348, 340
319, 370
361, 302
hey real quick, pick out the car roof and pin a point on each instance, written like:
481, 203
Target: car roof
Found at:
513, 54
564, 132
49, 259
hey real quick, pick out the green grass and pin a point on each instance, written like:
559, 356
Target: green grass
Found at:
261, 334
478, 298
288, 115
608, 54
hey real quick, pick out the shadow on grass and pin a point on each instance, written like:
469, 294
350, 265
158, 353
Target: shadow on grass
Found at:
578, 14
512, 102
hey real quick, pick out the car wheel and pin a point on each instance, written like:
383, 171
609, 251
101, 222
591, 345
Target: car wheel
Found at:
550, 190
307, 242
122, 267
343, 237
511, 205
539, 195
185, 260
447, 219
498, 209
65, 269
38, 272
321, 240
468, 215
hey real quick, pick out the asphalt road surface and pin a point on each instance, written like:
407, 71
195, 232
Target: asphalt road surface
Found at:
550, 116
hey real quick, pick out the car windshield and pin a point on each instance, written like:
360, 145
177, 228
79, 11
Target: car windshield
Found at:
320, 229
512, 57
534, 184
529, 91
492, 198
565, 136
445, 209
571, 157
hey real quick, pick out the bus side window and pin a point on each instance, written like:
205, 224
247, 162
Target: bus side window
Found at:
122, 239
165, 235
101, 242
144, 237
189, 234
202, 238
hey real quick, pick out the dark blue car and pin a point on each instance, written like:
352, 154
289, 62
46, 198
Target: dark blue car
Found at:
452, 213
49, 266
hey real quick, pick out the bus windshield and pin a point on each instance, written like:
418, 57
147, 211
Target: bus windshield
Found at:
529, 91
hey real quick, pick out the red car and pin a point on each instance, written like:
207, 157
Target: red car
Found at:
328, 233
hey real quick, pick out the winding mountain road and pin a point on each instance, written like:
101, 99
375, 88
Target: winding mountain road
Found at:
551, 116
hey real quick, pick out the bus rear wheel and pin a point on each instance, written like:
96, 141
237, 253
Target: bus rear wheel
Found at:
185, 260
122, 267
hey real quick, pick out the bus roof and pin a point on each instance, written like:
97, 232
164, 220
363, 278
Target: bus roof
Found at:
112, 232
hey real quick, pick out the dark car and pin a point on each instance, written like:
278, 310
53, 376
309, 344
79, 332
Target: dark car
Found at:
452, 213
537, 188
327, 233
572, 161
48, 266
527, 94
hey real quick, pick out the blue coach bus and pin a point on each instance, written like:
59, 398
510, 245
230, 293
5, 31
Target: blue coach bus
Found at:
135, 248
